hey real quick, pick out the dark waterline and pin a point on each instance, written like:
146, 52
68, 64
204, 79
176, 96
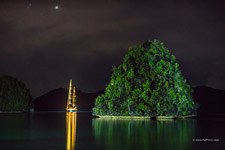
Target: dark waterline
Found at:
40, 131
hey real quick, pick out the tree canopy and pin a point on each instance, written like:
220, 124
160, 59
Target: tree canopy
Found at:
147, 83
14, 96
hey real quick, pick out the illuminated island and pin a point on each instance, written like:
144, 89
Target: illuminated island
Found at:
147, 84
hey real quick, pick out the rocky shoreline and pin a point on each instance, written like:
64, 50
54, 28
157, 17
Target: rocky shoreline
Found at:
146, 117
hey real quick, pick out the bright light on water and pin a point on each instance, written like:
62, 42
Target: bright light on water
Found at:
71, 120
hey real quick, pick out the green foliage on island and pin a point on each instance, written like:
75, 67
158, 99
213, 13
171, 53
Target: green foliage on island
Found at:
147, 83
14, 96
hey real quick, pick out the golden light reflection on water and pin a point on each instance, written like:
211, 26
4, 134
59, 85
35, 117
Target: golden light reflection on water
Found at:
71, 121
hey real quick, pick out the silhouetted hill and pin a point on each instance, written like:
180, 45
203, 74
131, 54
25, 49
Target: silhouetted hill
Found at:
212, 101
56, 100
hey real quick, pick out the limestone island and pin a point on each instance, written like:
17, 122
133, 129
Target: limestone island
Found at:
148, 84
15, 97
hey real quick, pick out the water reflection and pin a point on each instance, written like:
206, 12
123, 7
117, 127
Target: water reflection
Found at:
71, 121
144, 134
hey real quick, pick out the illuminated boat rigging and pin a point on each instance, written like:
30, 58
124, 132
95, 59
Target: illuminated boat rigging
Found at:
71, 101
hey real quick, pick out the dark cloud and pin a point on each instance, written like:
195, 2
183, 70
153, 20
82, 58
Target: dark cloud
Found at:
46, 47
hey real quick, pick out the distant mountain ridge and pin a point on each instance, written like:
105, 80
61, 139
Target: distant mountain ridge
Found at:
56, 100
211, 101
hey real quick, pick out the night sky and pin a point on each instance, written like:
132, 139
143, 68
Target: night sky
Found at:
44, 43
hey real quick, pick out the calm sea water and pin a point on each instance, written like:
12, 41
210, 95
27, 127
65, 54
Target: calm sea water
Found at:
70, 131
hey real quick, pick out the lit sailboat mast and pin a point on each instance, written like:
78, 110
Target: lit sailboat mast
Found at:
74, 97
71, 101
69, 95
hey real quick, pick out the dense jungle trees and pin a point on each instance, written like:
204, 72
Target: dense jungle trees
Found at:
14, 96
147, 83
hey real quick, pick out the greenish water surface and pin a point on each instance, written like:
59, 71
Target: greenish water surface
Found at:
63, 131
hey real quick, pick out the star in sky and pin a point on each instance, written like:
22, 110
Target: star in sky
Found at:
92, 37
56, 7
